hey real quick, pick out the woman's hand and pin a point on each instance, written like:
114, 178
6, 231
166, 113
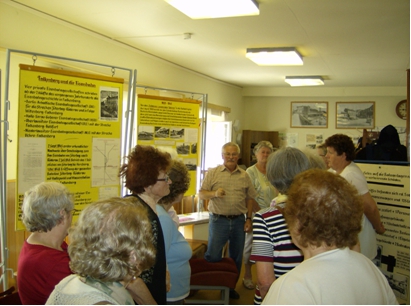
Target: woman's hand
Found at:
168, 283
139, 291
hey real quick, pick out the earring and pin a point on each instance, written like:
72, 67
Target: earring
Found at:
128, 283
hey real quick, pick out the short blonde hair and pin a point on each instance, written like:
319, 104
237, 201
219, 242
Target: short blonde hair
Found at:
43, 204
108, 235
263, 144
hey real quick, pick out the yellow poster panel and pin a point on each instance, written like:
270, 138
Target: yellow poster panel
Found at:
173, 123
69, 131
389, 185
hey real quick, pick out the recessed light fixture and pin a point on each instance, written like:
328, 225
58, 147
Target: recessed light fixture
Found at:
275, 56
304, 80
202, 9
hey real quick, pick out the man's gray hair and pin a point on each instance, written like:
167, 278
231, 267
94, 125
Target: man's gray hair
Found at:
230, 144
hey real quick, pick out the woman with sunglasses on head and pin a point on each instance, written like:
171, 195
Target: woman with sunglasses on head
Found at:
44, 261
145, 175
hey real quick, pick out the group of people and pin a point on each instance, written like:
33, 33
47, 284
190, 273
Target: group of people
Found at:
121, 250
293, 214
319, 213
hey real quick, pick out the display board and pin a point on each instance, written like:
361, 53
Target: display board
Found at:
174, 123
389, 185
69, 131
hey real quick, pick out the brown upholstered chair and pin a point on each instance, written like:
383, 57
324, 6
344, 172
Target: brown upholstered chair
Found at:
222, 275
10, 297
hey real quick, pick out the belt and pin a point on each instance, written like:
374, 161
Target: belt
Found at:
229, 216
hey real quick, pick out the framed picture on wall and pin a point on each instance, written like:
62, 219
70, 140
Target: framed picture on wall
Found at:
309, 114
355, 115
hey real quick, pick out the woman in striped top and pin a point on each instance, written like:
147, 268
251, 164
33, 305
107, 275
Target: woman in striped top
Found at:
273, 251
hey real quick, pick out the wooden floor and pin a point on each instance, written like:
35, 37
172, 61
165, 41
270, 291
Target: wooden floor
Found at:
246, 295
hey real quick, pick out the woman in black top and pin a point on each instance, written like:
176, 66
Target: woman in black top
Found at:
145, 175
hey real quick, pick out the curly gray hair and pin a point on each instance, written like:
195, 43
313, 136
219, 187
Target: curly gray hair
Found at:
111, 240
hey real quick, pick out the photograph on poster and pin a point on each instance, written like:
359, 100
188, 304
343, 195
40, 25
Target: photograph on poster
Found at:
183, 148
108, 103
355, 115
176, 133
398, 283
145, 132
194, 148
309, 114
313, 140
190, 163
161, 132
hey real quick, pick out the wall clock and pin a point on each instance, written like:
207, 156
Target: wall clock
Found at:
401, 109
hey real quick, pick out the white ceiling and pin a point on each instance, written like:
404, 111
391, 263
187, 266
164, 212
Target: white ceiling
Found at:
348, 42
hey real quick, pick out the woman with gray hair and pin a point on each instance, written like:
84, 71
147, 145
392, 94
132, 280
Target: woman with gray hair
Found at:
47, 213
111, 245
273, 251
266, 193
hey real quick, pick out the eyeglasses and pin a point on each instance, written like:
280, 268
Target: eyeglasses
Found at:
231, 154
165, 179
74, 212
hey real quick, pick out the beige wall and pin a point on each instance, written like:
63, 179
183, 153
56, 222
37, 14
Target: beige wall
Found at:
255, 108
28, 31
269, 110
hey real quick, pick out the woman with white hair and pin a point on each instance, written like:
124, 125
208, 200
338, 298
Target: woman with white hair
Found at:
47, 213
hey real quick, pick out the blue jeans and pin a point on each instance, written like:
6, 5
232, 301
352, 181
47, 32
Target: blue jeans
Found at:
221, 230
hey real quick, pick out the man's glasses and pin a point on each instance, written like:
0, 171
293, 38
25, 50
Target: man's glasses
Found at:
231, 154
165, 179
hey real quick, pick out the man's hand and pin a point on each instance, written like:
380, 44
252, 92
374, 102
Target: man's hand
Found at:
248, 226
219, 193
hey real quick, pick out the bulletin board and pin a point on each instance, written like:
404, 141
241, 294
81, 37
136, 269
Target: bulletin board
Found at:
69, 132
389, 185
163, 121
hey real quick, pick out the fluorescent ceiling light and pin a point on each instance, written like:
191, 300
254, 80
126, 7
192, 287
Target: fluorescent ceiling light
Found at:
275, 56
201, 9
304, 80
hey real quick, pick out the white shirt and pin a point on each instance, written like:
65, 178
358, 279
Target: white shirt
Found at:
339, 276
368, 238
